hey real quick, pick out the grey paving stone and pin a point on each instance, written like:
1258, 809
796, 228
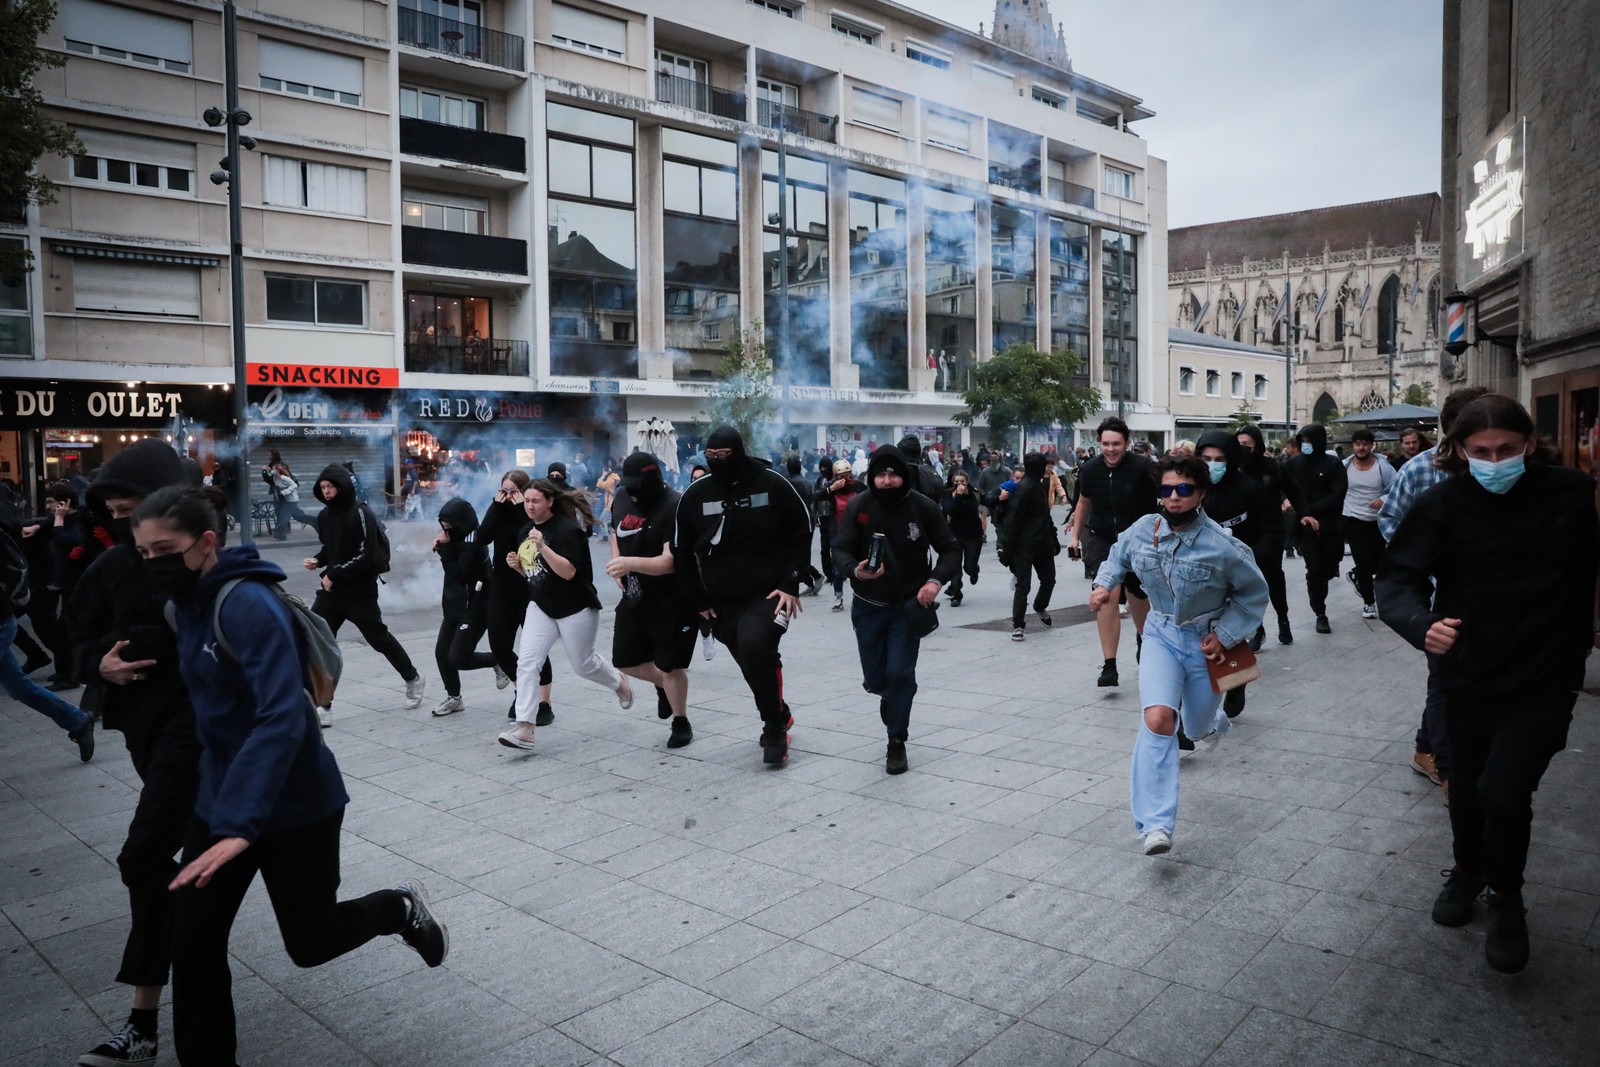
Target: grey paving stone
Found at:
635, 1014
1180, 1028
807, 909
1286, 977
722, 950
1026, 1045
1269, 1037
914, 878
1097, 1003
861, 927
1205, 956
1340, 870
636, 921
967, 894
768, 976
701, 1038
1337, 923
785, 1048
431, 1003
736, 886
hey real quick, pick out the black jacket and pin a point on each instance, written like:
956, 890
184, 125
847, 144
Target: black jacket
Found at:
961, 511
464, 560
1239, 503
349, 532
1118, 496
1030, 532
741, 541
1517, 569
1316, 484
504, 528
1268, 473
911, 526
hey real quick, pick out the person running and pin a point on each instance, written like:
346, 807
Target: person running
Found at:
924, 479
271, 798
1256, 461
894, 603
78, 724
656, 629
742, 543
76, 538
1315, 482
352, 556
1030, 544
1494, 574
822, 510
962, 513
463, 602
1368, 479
286, 501
505, 527
1113, 494
797, 479
1207, 595
562, 603
831, 506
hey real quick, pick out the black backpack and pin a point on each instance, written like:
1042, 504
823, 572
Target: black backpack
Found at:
380, 552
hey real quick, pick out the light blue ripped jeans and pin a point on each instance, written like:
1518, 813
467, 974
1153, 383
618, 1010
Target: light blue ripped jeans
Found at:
1172, 672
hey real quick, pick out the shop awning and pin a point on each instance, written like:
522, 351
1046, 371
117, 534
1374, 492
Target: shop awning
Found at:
136, 255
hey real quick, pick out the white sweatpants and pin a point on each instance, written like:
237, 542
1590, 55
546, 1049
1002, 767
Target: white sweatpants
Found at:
539, 635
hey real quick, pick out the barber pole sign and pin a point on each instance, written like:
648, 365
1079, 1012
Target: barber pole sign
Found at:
1456, 326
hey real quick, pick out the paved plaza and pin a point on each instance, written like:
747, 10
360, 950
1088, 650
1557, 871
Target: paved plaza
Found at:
611, 902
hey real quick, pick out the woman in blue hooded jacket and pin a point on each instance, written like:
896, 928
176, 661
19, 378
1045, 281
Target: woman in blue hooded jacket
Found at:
271, 798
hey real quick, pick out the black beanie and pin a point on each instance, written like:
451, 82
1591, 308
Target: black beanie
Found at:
889, 458
911, 447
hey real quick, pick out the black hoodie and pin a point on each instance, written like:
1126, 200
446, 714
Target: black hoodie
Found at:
1030, 532
1268, 472
350, 537
464, 559
911, 524
1316, 483
1238, 503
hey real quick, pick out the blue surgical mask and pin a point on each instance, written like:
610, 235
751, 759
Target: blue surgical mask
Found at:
1497, 477
1307, 449
1217, 467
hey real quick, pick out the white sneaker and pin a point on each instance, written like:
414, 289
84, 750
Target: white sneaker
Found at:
1208, 743
1369, 611
324, 717
708, 644
501, 678
1157, 843
624, 695
519, 736
838, 603
414, 691
450, 706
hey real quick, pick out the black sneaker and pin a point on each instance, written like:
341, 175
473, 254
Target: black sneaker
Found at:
36, 664
1285, 635
1350, 576
127, 1045
1258, 639
511, 712
1185, 742
1233, 702
663, 706
894, 762
1017, 634
774, 748
1506, 945
1044, 617
1108, 675
681, 733
422, 931
545, 715
955, 600
62, 685
83, 737
1454, 904
1322, 625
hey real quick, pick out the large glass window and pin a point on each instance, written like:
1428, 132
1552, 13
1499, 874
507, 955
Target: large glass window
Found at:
700, 224
1012, 233
442, 211
436, 105
804, 261
323, 301
1069, 290
446, 333
16, 324
878, 340
593, 254
951, 260
1119, 271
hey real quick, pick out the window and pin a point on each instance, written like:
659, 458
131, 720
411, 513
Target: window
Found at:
289, 68
16, 324
1213, 383
878, 324
132, 36
937, 58
1261, 387
801, 255
875, 109
317, 186
700, 248
992, 77
441, 211
435, 105
1186, 381
1119, 182
322, 301
865, 32
1069, 290
588, 32
1012, 236
1236, 385
948, 131
450, 332
131, 288
1048, 98
777, 94
1389, 316
141, 162
774, 6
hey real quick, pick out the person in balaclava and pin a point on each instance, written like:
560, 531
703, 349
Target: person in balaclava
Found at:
127, 656
1268, 545
742, 544
802, 486
893, 604
463, 601
350, 561
656, 629
1316, 484
924, 479
1031, 545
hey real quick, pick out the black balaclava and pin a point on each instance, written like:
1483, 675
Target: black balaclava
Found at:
889, 458
726, 471
642, 480
557, 472
1033, 465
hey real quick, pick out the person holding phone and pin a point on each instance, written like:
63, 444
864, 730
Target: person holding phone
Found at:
963, 513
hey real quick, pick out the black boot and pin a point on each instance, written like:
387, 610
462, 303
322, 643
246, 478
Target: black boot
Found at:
894, 761
1233, 702
1506, 945
1258, 638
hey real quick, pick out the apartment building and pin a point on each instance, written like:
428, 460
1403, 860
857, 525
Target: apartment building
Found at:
1215, 381
519, 227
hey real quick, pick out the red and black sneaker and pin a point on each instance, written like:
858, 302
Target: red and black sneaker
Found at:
774, 748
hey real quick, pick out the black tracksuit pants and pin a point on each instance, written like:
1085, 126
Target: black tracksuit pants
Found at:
1269, 560
970, 548
1322, 552
749, 630
1024, 568
506, 609
1366, 550
456, 648
362, 609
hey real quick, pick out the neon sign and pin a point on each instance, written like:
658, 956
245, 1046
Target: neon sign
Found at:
1493, 220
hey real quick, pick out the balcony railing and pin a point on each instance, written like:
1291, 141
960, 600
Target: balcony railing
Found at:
796, 120
463, 251
455, 355
449, 37
419, 137
1071, 193
1024, 178
698, 96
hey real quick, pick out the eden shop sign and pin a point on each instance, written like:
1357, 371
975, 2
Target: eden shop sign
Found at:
1492, 221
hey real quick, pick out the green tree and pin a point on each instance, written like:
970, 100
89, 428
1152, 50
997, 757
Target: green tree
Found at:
1025, 388
1420, 394
1245, 414
28, 132
744, 396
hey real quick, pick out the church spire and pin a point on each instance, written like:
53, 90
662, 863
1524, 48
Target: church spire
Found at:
1025, 25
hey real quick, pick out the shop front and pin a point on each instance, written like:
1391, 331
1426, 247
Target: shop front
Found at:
461, 442
311, 429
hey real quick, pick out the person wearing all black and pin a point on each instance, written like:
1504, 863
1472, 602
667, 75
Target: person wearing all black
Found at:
76, 539
893, 605
464, 601
349, 561
1270, 527
504, 527
1315, 482
126, 654
804, 488
831, 502
960, 506
1115, 489
925, 479
1030, 544
14, 680
822, 506
742, 544
1493, 574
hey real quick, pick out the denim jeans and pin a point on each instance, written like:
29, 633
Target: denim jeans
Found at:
888, 651
20, 687
1172, 672
1432, 736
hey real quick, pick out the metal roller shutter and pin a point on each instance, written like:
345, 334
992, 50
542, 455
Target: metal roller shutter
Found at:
308, 456
138, 288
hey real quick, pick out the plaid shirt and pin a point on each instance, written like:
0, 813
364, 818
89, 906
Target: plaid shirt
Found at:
1415, 478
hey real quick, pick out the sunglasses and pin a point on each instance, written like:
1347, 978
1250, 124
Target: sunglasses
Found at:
1182, 489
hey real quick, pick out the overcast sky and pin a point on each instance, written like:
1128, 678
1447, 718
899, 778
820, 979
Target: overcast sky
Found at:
1264, 106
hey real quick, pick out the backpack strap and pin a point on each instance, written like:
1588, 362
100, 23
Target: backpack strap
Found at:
216, 617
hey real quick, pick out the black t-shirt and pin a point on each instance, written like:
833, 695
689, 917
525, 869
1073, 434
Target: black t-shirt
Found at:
1118, 496
559, 597
647, 534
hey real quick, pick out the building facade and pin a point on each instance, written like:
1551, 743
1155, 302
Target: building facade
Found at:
1521, 175
1363, 311
522, 226
1216, 382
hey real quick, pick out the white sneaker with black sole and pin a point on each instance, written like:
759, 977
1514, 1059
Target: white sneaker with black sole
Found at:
126, 1046
1157, 843
450, 706
501, 678
519, 736
414, 690
1369, 611
324, 717
423, 931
